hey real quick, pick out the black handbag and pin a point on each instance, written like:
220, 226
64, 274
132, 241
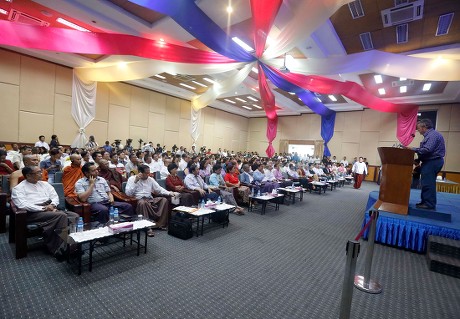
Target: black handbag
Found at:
180, 227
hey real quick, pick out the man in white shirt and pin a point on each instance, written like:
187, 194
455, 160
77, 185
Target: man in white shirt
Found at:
359, 170
193, 181
40, 200
41, 143
344, 162
184, 162
318, 170
142, 186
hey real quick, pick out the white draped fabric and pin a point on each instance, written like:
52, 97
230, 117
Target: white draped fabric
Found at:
307, 16
222, 87
391, 64
147, 68
195, 125
83, 107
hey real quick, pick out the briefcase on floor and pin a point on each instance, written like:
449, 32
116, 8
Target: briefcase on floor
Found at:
180, 227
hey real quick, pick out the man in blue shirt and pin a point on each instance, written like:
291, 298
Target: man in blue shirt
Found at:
431, 153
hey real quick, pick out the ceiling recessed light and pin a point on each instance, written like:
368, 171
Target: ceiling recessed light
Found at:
332, 98
71, 25
318, 99
403, 89
159, 76
426, 86
187, 86
200, 84
382, 91
378, 79
402, 79
247, 108
241, 100
257, 106
229, 9
252, 98
230, 101
292, 93
3, 11
209, 80
242, 44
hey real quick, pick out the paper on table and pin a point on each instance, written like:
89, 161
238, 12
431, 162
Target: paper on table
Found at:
186, 209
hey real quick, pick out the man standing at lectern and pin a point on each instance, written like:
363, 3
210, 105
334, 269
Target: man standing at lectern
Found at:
431, 152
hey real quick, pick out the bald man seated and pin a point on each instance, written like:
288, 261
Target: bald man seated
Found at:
71, 174
16, 177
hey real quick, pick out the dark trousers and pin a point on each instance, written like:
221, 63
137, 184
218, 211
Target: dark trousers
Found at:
358, 180
429, 171
102, 210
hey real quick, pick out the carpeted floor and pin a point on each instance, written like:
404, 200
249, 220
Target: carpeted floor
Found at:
285, 264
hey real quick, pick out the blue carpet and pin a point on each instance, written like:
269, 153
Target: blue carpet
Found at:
411, 231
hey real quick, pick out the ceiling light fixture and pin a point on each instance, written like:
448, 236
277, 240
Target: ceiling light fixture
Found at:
382, 91
402, 79
229, 9
247, 108
187, 86
209, 80
230, 101
252, 98
242, 44
159, 76
403, 89
256, 106
332, 98
200, 84
292, 93
241, 100
255, 70
378, 79
71, 25
426, 87
318, 99
3, 11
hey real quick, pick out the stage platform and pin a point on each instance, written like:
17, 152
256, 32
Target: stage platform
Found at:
411, 231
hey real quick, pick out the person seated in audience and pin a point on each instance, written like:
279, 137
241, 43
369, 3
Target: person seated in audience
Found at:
260, 179
318, 170
193, 181
246, 177
111, 175
40, 200
96, 191
25, 150
341, 170
92, 144
14, 156
106, 155
232, 180
86, 158
51, 165
184, 162
175, 184
71, 174
6, 167
41, 143
205, 168
164, 172
217, 182
114, 163
122, 158
107, 147
142, 186
54, 143
292, 172
97, 156
131, 167
16, 177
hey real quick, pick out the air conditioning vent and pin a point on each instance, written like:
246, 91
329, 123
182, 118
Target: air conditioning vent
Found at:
366, 41
444, 23
403, 13
356, 9
400, 2
21, 17
396, 84
402, 33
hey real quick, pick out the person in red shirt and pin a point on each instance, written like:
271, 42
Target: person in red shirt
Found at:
6, 167
175, 184
231, 180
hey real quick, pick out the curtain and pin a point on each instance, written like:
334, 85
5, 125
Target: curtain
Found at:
195, 125
327, 130
83, 107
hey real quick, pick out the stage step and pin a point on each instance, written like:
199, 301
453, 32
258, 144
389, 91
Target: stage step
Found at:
444, 255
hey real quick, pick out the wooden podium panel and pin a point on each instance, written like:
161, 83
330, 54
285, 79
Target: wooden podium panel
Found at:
396, 179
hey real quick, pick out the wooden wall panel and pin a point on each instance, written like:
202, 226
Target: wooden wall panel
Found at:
32, 125
9, 121
10, 72
64, 80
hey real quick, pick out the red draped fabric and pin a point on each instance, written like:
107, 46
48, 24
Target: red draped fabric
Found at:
268, 103
73, 41
263, 15
407, 113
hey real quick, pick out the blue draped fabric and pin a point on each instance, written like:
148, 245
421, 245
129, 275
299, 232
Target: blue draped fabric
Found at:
412, 232
327, 130
192, 19
327, 115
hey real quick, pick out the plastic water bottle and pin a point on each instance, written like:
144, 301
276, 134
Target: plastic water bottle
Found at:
140, 217
116, 217
258, 193
219, 200
292, 185
111, 214
253, 191
80, 225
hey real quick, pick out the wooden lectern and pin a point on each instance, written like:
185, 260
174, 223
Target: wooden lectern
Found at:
396, 179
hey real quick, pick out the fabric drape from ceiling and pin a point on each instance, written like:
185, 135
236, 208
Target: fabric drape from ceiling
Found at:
195, 125
83, 107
